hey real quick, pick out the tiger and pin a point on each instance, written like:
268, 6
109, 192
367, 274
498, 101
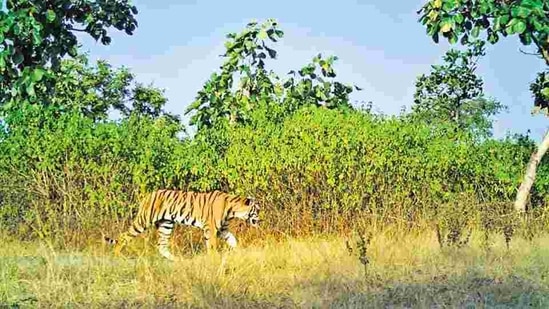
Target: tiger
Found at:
209, 211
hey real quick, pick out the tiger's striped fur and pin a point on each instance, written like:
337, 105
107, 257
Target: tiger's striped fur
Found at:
209, 211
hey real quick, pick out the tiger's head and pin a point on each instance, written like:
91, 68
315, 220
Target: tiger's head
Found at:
248, 210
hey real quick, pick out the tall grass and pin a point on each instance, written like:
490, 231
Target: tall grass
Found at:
406, 271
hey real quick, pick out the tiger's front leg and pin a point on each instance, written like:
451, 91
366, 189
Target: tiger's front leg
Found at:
210, 237
164, 229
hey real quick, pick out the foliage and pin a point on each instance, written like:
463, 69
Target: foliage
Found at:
36, 35
540, 90
453, 92
297, 145
96, 90
317, 162
526, 18
220, 100
245, 54
351, 161
56, 172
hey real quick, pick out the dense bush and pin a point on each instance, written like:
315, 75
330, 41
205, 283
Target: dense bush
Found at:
319, 167
63, 170
329, 161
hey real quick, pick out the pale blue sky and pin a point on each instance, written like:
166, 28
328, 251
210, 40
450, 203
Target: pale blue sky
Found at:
381, 48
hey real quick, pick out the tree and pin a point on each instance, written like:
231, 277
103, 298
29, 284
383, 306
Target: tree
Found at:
528, 19
94, 90
245, 54
36, 35
452, 92
219, 101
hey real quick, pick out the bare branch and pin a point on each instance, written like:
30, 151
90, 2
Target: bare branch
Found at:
529, 53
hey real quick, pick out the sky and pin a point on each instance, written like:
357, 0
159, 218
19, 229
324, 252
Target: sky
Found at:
381, 47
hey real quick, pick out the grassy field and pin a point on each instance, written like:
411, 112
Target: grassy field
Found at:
408, 271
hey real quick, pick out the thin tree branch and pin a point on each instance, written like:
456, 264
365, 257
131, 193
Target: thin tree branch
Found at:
529, 53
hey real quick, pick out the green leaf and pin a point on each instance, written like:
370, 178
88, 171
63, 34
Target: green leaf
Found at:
272, 52
30, 90
484, 8
73, 51
475, 32
106, 40
17, 58
519, 27
16, 29
464, 39
37, 74
503, 20
432, 30
446, 25
519, 11
545, 92
262, 35
537, 25
435, 37
453, 38
510, 26
449, 5
37, 39
50, 15
526, 38
458, 19
493, 38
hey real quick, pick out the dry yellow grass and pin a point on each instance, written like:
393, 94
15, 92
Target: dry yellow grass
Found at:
408, 271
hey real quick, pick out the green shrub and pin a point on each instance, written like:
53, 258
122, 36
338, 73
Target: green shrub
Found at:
316, 170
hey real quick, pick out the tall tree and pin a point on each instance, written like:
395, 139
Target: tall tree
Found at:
453, 92
36, 35
95, 90
527, 19
92, 91
220, 101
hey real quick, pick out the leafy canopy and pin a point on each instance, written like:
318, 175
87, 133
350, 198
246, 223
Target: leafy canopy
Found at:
452, 92
36, 35
527, 19
92, 92
221, 101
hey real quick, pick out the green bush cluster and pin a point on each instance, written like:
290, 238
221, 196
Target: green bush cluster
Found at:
68, 173
65, 171
344, 162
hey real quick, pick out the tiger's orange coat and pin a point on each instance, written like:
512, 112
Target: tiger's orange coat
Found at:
210, 211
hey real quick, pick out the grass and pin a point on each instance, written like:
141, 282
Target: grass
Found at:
318, 271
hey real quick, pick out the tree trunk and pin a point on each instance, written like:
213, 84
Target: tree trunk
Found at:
530, 175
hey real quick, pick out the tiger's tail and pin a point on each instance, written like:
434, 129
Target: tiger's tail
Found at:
139, 225
132, 232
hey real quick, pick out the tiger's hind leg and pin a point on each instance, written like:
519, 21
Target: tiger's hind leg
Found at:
228, 237
165, 228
